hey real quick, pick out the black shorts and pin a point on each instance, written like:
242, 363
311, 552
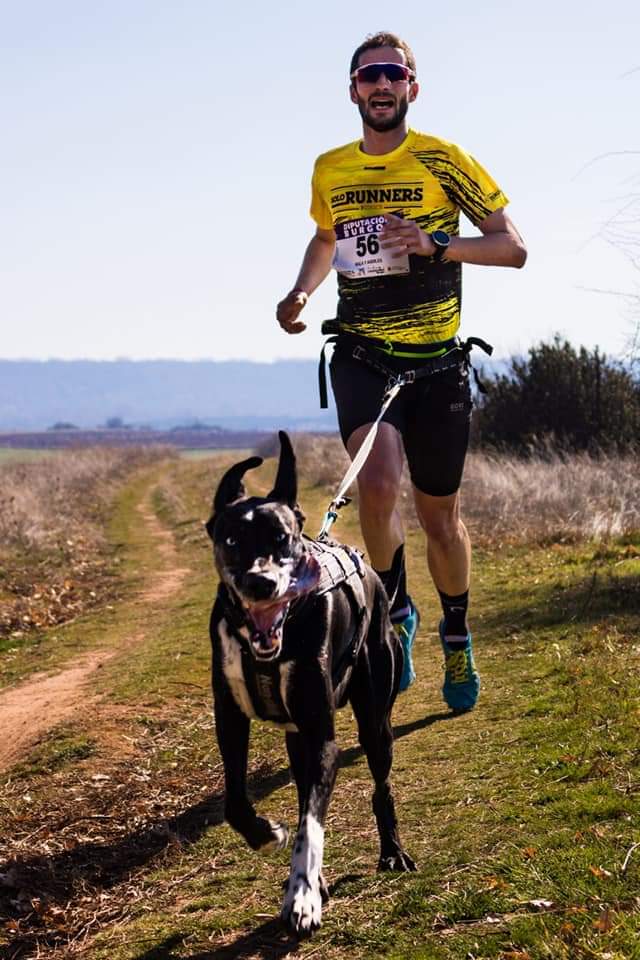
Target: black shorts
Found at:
432, 415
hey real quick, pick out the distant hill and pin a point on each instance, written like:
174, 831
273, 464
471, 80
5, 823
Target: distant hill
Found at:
236, 395
163, 394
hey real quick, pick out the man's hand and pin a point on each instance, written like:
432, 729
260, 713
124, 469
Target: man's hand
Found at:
288, 310
405, 236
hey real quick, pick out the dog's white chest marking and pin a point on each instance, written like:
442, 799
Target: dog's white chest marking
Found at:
234, 674
303, 900
232, 669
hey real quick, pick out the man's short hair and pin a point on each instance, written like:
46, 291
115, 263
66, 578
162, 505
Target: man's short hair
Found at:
375, 40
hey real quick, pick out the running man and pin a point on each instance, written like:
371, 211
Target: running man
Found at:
387, 213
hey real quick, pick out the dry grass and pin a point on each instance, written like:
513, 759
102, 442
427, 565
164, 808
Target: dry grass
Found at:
321, 457
562, 497
559, 496
60, 497
55, 558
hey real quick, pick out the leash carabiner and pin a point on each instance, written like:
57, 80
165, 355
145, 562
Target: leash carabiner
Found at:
331, 516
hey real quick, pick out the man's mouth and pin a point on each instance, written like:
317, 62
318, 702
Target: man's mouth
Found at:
382, 103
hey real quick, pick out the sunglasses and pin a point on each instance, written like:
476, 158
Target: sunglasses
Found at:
370, 72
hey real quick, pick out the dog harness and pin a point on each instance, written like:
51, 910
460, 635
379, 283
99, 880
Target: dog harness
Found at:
341, 567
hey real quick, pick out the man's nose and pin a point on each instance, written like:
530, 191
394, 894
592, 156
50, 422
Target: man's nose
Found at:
383, 82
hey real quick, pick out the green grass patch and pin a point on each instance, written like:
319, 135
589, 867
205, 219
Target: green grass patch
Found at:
24, 454
61, 748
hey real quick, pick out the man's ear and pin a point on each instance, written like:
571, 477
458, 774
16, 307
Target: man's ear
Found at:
414, 90
353, 96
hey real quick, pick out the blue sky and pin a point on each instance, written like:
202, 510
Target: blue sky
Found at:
154, 175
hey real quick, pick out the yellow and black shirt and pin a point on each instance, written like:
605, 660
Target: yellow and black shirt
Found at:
414, 299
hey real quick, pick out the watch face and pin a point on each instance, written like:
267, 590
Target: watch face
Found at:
440, 238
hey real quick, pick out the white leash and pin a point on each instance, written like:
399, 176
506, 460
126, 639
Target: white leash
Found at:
357, 464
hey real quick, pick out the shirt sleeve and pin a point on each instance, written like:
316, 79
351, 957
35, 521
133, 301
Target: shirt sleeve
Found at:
468, 185
319, 207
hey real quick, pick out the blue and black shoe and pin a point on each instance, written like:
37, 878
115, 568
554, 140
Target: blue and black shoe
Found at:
406, 630
461, 679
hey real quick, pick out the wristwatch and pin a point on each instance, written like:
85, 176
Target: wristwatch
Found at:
441, 239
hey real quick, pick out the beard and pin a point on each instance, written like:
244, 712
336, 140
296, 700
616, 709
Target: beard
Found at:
390, 123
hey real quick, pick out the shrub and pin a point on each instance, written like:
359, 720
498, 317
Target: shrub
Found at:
564, 398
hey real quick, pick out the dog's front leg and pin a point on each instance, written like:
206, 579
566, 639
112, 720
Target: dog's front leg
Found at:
232, 729
306, 889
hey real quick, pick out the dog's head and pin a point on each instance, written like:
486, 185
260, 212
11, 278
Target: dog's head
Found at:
258, 549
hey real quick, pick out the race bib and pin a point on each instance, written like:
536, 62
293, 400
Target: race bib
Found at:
359, 252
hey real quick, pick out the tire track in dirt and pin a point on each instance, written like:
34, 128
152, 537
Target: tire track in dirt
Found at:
30, 709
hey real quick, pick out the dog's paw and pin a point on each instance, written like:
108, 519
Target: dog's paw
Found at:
302, 905
271, 835
400, 862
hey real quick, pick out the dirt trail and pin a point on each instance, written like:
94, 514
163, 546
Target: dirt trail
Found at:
35, 706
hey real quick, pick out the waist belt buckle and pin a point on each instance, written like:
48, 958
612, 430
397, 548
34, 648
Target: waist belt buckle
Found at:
409, 376
359, 353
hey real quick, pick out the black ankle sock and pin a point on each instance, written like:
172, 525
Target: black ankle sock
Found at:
395, 583
455, 617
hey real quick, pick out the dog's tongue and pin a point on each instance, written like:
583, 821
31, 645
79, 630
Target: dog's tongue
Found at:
305, 576
265, 615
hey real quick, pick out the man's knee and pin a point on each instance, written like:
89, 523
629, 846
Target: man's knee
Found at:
378, 491
440, 519
381, 475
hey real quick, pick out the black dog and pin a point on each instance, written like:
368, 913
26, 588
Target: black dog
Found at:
298, 629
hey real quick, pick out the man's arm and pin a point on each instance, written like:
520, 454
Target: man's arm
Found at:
499, 246
316, 264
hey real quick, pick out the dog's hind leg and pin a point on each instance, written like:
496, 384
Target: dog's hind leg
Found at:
378, 746
372, 692
232, 729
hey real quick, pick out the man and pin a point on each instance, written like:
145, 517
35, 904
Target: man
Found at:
387, 210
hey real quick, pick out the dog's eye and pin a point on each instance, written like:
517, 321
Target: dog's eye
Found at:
231, 541
281, 537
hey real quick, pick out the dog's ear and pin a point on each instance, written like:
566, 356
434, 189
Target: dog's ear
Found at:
286, 486
231, 486
300, 517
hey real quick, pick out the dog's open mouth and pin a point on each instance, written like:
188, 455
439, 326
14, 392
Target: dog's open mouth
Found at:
266, 618
267, 621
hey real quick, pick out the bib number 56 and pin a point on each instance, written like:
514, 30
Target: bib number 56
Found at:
367, 245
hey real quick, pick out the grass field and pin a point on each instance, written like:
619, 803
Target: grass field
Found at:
524, 816
23, 455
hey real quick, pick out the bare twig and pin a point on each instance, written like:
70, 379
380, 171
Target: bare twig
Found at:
625, 864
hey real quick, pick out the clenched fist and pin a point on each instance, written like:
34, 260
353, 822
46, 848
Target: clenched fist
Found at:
289, 309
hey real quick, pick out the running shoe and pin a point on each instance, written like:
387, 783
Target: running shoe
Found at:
461, 679
406, 630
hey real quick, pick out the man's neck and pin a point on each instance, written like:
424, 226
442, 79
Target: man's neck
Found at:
376, 142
